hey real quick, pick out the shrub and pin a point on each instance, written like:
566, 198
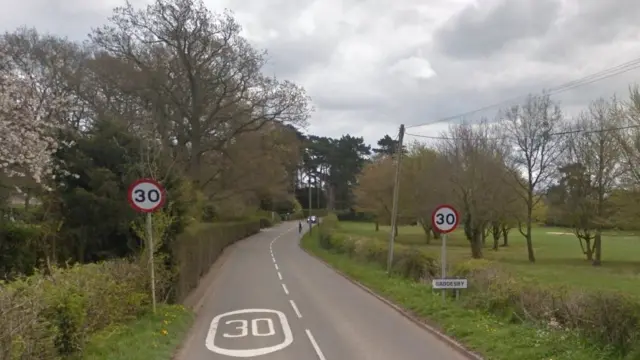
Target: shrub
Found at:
408, 262
414, 264
50, 317
17, 251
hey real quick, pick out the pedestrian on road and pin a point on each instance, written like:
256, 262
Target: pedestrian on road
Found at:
299, 226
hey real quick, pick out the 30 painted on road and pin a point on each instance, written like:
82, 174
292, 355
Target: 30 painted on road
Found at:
236, 329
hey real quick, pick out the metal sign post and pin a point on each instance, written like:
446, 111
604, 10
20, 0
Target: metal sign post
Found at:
147, 196
444, 219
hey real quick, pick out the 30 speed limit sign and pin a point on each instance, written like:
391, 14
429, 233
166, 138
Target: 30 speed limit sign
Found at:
445, 219
146, 195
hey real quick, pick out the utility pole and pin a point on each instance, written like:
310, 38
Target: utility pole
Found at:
396, 190
310, 199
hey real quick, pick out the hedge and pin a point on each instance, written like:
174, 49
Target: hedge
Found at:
607, 319
51, 316
199, 247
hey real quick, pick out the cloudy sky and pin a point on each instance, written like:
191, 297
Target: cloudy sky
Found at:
370, 65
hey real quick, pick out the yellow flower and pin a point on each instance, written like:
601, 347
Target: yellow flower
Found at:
166, 322
164, 332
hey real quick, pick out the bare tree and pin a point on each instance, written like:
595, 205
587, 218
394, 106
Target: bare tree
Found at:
199, 79
534, 151
595, 151
471, 167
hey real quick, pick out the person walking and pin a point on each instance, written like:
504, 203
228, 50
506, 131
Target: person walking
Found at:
299, 226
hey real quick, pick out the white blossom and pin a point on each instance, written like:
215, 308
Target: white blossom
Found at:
29, 117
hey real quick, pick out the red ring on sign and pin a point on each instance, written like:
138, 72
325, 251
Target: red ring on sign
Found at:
163, 195
433, 218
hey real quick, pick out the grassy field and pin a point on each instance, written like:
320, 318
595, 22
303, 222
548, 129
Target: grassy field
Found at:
558, 254
151, 337
493, 337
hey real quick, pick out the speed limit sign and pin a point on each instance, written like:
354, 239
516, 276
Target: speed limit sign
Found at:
445, 219
146, 195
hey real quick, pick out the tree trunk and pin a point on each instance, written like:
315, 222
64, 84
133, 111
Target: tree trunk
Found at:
532, 257
377, 226
505, 237
495, 232
427, 231
597, 248
476, 245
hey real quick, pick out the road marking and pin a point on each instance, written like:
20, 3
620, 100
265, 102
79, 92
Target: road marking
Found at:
279, 275
274, 259
315, 345
276, 265
244, 331
284, 287
295, 308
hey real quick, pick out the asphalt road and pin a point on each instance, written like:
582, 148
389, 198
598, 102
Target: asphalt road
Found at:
272, 301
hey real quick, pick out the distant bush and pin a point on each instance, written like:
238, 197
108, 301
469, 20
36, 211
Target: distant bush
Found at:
352, 215
316, 212
18, 254
407, 262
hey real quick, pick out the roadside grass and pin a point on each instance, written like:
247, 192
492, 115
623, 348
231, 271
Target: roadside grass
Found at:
559, 259
152, 336
492, 337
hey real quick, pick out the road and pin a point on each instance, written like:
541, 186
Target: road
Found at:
271, 300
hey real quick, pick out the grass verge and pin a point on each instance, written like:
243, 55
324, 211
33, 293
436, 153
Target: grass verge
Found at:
151, 337
492, 337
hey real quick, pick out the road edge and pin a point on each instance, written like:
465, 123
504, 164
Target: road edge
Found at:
418, 321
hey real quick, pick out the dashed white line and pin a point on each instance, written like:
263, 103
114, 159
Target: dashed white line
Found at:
315, 345
284, 287
274, 259
279, 275
295, 308
276, 265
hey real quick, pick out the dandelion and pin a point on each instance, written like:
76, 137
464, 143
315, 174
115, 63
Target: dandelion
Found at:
164, 332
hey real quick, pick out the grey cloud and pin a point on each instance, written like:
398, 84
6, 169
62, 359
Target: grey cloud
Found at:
288, 58
596, 22
481, 32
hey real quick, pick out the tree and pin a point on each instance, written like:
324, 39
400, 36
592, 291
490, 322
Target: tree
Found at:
529, 129
472, 162
386, 146
374, 190
30, 115
197, 79
422, 186
593, 168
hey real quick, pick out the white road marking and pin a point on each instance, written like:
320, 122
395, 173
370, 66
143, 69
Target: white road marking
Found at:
276, 265
248, 353
279, 275
295, 308
274, 259
284, 287
315, 345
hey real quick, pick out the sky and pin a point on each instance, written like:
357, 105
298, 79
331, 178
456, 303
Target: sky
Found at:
371, 65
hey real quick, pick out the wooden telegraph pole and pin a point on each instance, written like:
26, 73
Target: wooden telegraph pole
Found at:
394, 211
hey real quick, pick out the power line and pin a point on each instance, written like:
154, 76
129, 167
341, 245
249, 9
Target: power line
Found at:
577, 131
585, 80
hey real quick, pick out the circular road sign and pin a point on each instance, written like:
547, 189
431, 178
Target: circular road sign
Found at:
445, 219
146, 195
